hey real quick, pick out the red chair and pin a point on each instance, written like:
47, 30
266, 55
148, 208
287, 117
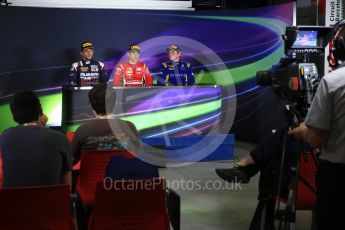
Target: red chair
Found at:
92, 171
35, 208
76, 167
70, 135
306, 187
130, 205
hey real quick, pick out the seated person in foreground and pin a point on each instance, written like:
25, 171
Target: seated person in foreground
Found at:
106, 132
32, 154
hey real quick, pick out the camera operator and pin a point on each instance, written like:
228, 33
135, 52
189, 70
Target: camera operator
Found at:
264, 159
324, 127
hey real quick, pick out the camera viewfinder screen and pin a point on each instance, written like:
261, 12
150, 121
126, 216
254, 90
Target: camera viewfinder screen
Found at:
306, 38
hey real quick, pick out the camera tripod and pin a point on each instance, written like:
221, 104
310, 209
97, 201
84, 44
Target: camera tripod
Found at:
269, 215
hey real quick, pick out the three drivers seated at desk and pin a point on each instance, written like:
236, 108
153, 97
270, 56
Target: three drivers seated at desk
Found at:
88, 72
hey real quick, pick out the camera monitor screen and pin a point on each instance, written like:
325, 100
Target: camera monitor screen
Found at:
306, 38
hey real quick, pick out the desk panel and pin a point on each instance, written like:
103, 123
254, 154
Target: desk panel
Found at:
155, 111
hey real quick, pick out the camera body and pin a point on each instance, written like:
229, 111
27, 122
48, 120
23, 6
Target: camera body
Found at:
295, 78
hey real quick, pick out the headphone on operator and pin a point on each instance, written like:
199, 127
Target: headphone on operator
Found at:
338, 49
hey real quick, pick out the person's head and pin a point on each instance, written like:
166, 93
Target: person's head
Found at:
25, 107
337, 54
133, 54
174, 53
102, 99
86, 50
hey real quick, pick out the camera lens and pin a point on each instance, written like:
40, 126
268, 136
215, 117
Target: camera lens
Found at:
264, 78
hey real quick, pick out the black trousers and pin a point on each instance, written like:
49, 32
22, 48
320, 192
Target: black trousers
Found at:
330, 205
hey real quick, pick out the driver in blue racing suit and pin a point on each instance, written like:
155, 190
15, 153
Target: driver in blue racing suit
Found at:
175, 72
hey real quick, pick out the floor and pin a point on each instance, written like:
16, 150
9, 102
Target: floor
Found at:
207, 202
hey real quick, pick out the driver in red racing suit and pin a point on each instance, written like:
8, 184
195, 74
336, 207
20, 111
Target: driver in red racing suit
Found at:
132, 72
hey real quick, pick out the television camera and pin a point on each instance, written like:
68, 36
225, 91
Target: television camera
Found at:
295, 78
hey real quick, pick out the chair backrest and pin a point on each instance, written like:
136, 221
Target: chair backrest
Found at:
132, 204
34, 208
92, 170
306, 197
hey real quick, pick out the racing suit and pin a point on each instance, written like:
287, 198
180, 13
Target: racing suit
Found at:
176, 73
127, 74
87, 73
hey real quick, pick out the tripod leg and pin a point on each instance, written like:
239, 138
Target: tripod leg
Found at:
293, 226
264, 215
313, 225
